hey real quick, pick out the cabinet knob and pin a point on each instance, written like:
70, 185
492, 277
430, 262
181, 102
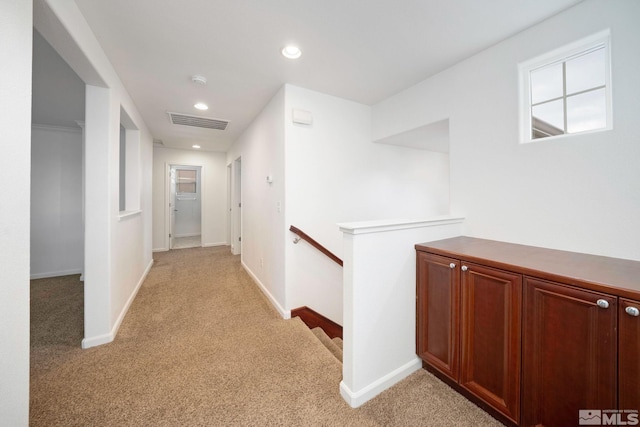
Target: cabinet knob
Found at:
632, 311
452, 265
603, 303
464, 268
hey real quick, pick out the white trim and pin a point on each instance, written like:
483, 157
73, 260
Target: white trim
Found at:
68, 129
561, 54
393, 225
356, 399
56, 273
127, 214
167, 195
107, 338
99, 340
177, 236
208, 245
204, 245
286, 314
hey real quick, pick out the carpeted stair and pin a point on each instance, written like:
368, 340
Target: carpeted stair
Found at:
333, 345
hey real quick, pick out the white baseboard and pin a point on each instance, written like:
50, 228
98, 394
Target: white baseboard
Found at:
99, 340
355, 399
186, 235
107, 338
208, 245
204, 245
56, 274
286, 314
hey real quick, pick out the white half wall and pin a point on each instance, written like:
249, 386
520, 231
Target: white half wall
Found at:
213, 176
580, 193
57, 235
15, 166
380, 302
335, 173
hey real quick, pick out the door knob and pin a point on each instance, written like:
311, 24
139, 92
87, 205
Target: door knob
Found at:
603, 303
452, 265
632, 311
464, 268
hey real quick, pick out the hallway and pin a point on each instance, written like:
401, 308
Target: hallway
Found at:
202, 346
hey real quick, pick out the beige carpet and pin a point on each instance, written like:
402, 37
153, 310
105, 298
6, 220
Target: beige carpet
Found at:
201, 346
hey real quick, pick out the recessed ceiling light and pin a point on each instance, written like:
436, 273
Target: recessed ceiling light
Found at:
291, 52
196, 146
201, 106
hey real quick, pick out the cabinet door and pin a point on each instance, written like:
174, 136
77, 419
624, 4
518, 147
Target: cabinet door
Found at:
569, 354
491, 331
437, 311
629, 355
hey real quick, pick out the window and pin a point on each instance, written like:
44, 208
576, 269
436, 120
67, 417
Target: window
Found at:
186, 181
129, 165
123, 169
567, 91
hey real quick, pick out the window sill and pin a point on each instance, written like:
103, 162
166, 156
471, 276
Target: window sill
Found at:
128, 214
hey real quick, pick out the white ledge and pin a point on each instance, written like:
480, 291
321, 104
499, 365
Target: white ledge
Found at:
127, 214
365, 227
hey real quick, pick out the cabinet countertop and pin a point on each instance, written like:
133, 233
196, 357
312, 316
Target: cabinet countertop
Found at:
614, 276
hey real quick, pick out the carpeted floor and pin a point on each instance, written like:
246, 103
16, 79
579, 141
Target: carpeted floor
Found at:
201, 346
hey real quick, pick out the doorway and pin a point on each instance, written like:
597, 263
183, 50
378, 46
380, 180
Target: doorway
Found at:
236, 207
185, 206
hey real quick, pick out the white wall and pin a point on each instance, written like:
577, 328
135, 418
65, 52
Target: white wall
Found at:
15, 165
117, 248
335, 173
581, 193
261, 148
57, 235
213, 176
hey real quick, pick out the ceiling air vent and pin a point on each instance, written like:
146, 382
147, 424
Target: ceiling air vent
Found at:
198, 121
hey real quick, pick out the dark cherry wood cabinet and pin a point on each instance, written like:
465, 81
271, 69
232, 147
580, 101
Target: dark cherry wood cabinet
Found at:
629, 354
570, 350
437, 313
490, 335
532, 335
468, 323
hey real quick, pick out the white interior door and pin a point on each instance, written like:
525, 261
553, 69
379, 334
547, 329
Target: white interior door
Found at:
236, 246
229, 202
172, 205
188, 211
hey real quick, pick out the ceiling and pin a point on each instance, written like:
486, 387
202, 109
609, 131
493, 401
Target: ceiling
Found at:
362, 50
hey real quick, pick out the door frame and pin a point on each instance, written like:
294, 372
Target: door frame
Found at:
236, 206
167, 204
229, 175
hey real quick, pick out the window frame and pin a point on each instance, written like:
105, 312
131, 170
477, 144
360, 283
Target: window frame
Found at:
562, 55
129, 163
